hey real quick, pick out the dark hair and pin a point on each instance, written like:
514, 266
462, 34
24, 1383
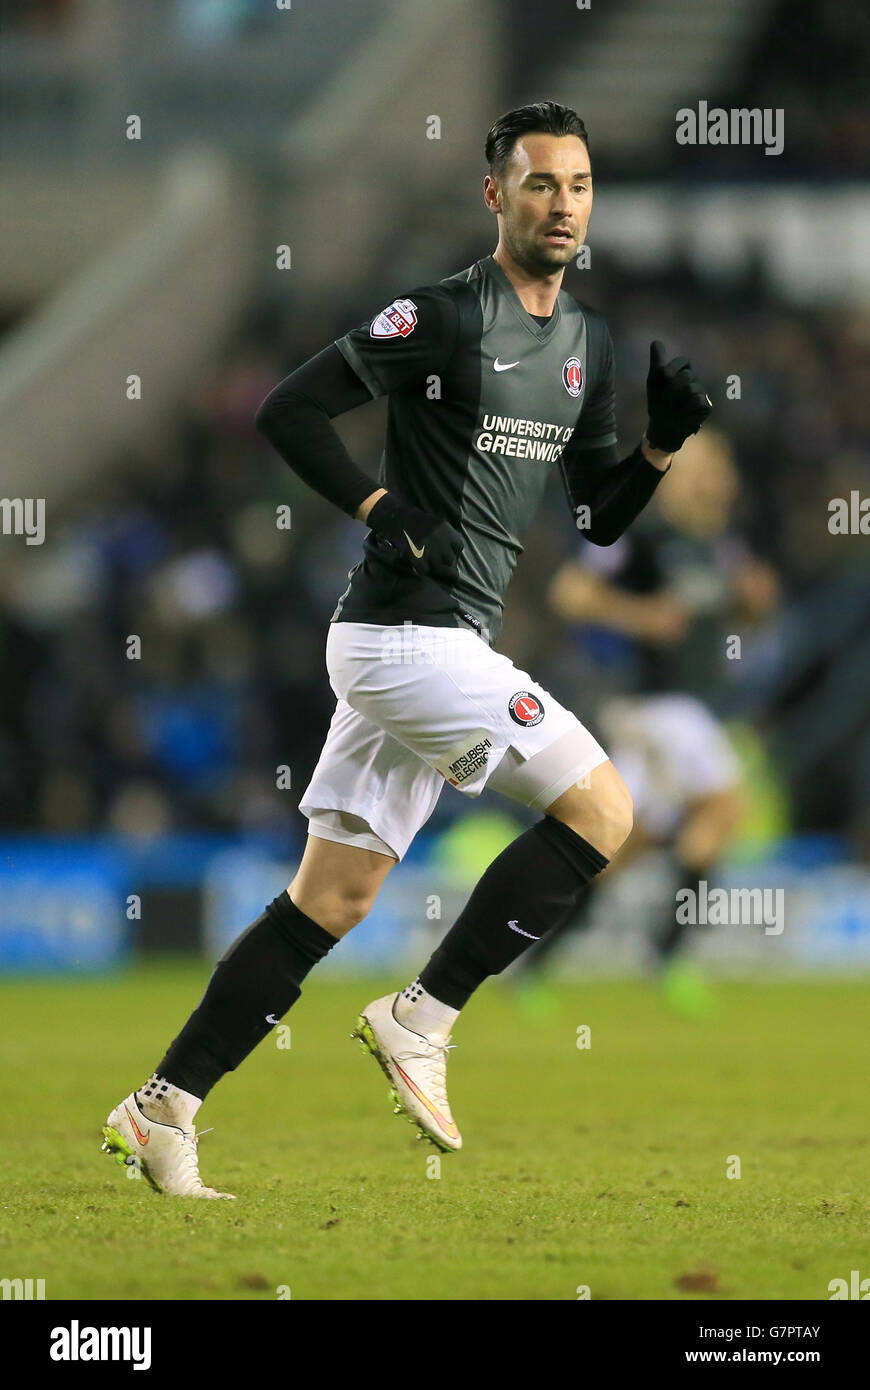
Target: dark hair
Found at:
539, 118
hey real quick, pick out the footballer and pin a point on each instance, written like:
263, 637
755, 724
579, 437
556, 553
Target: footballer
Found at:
667, 593
495, 376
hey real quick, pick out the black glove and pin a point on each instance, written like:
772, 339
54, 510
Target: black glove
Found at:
676, 401
430, 545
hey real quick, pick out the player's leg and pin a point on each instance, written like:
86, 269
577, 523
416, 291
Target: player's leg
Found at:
685, 778
598, 808
260, 976
532, 888
336, 883
534, 964
707, 831
692, 856
258, 980
464, 709
528, 890
251, 988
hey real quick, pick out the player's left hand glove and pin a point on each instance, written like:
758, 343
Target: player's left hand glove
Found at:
676, 401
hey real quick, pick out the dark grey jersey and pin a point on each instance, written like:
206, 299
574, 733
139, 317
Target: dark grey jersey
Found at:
483, 399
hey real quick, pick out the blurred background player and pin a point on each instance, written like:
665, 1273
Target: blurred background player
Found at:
662, 608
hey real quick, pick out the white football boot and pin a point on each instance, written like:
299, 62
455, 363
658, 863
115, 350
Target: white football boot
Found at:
417, 1070
165, 1154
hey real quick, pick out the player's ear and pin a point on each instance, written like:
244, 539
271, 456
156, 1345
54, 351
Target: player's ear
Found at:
491, 194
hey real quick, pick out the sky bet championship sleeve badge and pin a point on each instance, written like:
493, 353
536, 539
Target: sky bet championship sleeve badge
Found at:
397, 320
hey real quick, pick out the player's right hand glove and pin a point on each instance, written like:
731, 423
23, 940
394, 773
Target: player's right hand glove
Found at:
676, 401
430, 545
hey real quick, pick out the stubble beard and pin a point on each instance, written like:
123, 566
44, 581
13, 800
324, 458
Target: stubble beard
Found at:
539, 260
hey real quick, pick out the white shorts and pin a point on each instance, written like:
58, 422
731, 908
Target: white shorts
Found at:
670, 750
418, 706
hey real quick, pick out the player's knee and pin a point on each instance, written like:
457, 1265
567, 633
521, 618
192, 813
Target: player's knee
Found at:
337, 908
602, 812
357, 905
346, 907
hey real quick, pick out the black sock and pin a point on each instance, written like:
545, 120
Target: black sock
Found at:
668, 933
259, 976
541, 952
528, 890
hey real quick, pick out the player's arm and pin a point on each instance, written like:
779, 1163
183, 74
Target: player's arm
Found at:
371, 361
577, 594
606, 493
296, 417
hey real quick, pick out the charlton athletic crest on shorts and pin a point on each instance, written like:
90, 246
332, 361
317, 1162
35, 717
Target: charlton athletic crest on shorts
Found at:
572, 376
526, 709
397, 320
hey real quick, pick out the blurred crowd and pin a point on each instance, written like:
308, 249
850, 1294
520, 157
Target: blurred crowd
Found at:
163, 651
206, 21
811, 58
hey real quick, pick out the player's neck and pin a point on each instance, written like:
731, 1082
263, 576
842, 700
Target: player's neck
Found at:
537, 294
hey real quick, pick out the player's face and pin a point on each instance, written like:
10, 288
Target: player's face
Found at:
545, 198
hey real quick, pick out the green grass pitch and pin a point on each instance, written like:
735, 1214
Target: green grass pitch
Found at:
604, 1167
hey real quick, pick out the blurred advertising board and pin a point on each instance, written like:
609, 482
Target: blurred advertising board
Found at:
62, 906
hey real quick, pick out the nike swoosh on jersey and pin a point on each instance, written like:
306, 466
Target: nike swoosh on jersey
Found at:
504, 366
414, 550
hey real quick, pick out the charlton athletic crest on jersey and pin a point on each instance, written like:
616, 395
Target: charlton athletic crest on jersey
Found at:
397, 320
526, 709
572, 376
